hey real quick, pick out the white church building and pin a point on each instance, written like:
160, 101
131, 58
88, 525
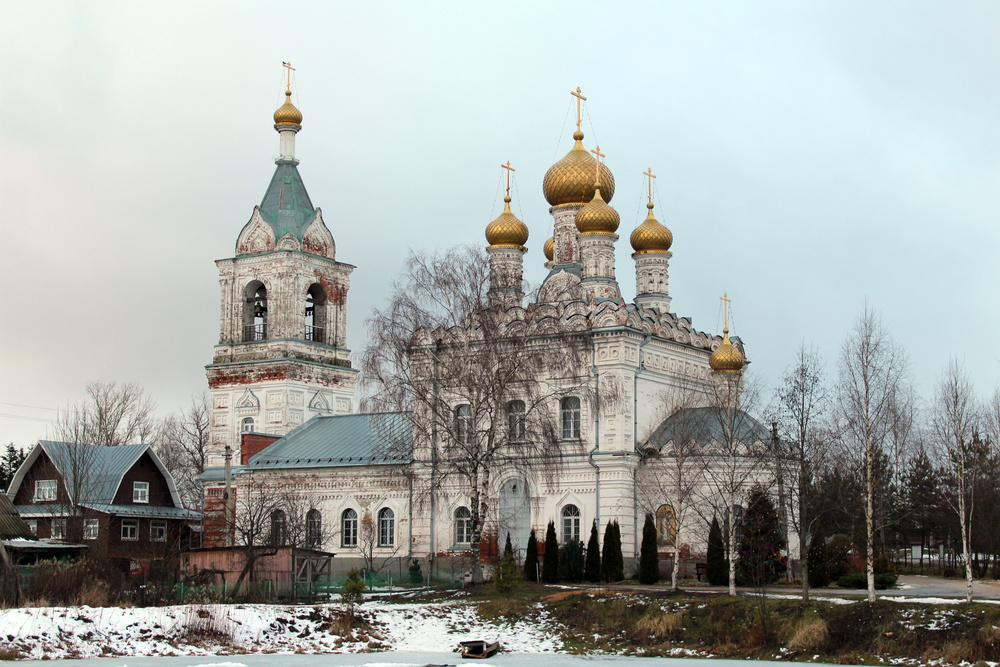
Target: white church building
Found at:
282, 367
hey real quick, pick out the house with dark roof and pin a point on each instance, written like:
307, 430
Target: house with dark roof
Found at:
121, 502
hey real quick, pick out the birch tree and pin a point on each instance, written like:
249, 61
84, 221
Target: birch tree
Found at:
954, 419
872, 372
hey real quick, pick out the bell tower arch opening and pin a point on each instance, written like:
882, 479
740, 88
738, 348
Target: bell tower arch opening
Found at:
315, 325
255, 312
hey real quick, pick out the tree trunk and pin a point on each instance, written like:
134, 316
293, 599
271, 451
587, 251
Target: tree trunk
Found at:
870, 527
803, 560
732, 548
677, 557
964, 523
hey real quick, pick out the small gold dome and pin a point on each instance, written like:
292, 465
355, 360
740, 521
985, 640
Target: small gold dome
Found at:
571, 179
549, 248
287, 114
726, 358
597, 217
651, 235
507, 230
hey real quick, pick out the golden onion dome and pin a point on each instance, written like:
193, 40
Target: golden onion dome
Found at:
597, 217
726, 358
571, 179
549, 248
287, 114
651, 235
507, 230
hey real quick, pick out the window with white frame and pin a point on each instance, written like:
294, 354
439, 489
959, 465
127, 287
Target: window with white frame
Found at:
570, 524
569, 410
91, 528
58, 529
140, 492
130, 530
386, 527
247, 425
349, 528
314, 528
515, 420
32, 526
45, 489
158, 531
463, 424
463, 526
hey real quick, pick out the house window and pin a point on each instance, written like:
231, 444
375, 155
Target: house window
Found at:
247, 425
349, 528
569, 409
130, 530
32, 526
666, 525
279, 528
158, 531
45, 489
463, 424
463, 526
140, 492
314, 528
386, 527
515, 420
58, 529
570, 524
91, 528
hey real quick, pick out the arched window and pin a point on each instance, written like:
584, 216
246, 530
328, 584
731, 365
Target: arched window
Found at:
463, 526
570, 524
569, 409
666, 526
316, 314
515, 420
255, 312
246, 426
349, 528
314, 528
386, 527
279, 528
463, 424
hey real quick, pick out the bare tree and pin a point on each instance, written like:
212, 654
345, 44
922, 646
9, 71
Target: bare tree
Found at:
872, 374
673, 467
738, 451
257, 503
183, 447
377, 550
954, 419
802, 399
112, 414
468, 377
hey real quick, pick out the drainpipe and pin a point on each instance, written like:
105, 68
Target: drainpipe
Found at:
437, 349
597, 432
635, 436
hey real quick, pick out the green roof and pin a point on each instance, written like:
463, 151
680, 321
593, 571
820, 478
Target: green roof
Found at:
703, 425
286, 206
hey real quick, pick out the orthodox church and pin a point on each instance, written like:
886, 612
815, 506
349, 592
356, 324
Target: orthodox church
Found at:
282, 382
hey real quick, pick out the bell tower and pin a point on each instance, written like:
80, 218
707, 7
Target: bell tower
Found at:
282, 357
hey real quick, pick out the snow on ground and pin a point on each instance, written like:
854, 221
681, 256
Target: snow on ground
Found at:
80, 632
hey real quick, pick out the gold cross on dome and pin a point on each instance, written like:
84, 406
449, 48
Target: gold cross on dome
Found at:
509, 169
650, 176
579, 98
725, 310
597, 171
288, 81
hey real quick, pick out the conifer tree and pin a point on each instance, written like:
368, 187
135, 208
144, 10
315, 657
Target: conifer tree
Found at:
649, 559
531, 558
612, 563
619, 558
819, 568
550, 566
717, 570
593, 570
508, 549
759, 562
571, 561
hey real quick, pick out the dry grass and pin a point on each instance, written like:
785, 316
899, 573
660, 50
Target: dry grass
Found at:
10, 653
201, 626
809, 635
662, 625
94, 594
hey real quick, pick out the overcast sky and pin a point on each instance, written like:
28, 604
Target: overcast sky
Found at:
809, 156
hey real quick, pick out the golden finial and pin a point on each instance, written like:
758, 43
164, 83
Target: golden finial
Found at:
288, 80
509, 169
597, 169
579, 98
725, 311
649, 177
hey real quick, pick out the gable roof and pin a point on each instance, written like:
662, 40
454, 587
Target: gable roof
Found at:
705, 425
341, 440
100, 469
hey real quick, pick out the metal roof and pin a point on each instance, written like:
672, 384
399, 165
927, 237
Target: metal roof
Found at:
341, 440
150, 511
286, 206
100, 468
704, 425
11, 525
